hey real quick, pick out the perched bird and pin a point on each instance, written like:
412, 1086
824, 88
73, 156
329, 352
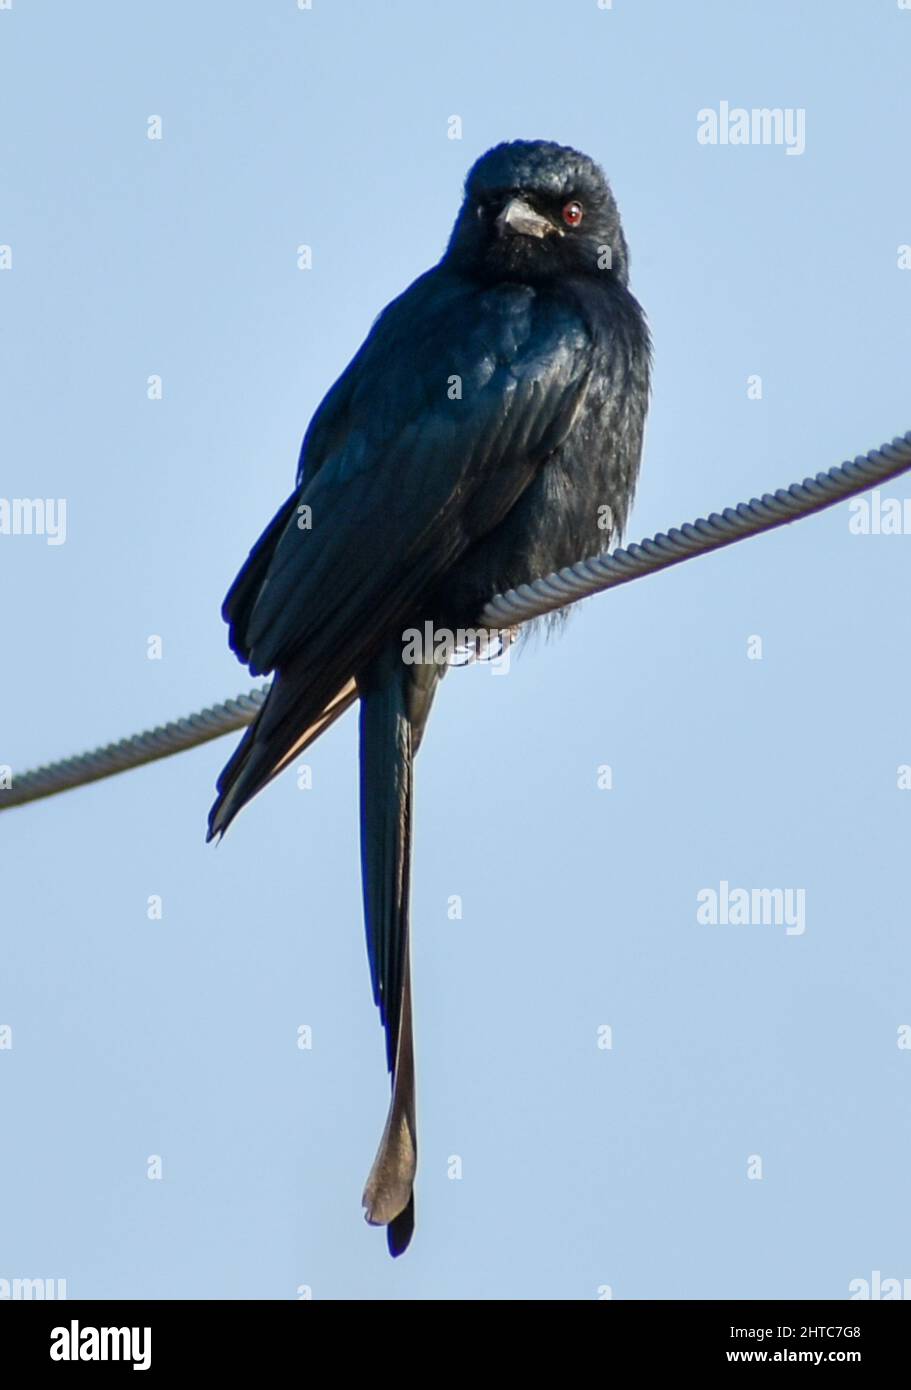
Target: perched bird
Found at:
488, 431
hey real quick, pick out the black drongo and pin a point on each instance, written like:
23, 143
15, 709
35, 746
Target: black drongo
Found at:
488, 431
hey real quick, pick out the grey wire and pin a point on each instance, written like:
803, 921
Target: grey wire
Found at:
592, 576
147, 747
601, 572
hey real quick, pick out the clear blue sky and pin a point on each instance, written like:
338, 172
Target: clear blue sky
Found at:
582, 1166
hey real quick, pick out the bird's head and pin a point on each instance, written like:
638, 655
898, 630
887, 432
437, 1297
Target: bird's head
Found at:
535, 211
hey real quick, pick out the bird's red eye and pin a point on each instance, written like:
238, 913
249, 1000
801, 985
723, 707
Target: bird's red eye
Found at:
572, 214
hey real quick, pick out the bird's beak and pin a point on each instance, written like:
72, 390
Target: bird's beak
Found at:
518, 217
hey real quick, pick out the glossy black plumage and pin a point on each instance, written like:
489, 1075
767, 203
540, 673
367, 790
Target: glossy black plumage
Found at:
488, 431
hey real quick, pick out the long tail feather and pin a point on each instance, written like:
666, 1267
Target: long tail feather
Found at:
395, 702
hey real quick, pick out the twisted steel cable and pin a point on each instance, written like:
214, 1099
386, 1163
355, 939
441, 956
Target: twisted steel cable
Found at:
592, 576
147, 747
622, 565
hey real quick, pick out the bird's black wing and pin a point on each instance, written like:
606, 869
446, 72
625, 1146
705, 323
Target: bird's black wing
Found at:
424, 444
455, 392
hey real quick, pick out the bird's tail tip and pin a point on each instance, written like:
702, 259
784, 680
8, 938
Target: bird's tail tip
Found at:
400, 1231
399, 1228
